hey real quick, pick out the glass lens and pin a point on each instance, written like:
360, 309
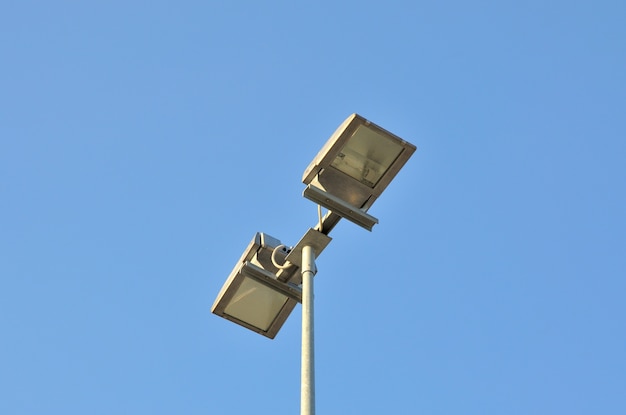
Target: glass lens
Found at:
367, 156
256, 304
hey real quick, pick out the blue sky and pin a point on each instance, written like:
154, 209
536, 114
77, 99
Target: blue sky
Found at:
142, 145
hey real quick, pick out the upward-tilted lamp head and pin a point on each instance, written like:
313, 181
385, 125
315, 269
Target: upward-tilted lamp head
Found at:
253, 296
354, 167
257, 295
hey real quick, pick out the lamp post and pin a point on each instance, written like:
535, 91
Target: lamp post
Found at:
307, 376
349, 173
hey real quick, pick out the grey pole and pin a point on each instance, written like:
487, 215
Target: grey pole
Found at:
307, 382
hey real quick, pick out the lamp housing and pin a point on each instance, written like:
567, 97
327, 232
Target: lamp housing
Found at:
355, 165
253, 296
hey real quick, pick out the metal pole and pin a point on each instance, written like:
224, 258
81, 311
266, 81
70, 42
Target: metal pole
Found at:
307, 382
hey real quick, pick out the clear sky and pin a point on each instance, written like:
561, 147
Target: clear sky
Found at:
142, 145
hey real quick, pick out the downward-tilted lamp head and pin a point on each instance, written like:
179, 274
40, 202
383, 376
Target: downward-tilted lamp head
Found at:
354, 167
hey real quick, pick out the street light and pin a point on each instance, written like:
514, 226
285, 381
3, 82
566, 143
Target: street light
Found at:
258, 294
353, 168
252, 296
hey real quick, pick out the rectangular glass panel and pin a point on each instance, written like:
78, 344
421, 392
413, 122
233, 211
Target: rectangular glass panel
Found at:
256, 304
367, 156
